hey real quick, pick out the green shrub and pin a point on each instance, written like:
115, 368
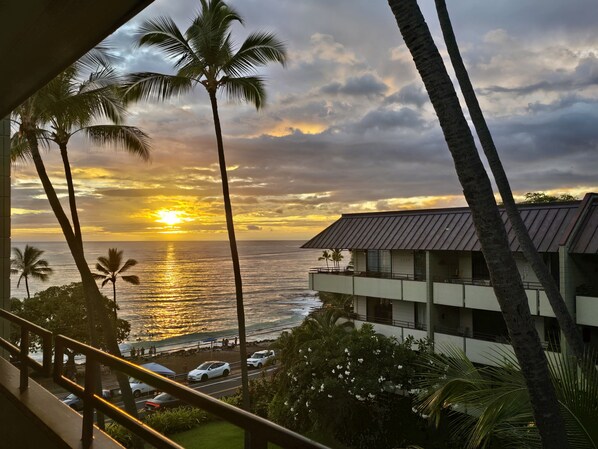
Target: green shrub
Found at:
167, 422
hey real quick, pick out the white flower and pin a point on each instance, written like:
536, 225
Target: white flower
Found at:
339, 366
381, 379
360, 360
322, 387
347, 373
300, 351
292, 409
340, 376
308, 349
425, 416
333, 372
377, 351
330, 396
295, 378
359, 398
313, 374
400, 367
313, 388
286, 402
307, 404
353, 380
346, 350
371, 396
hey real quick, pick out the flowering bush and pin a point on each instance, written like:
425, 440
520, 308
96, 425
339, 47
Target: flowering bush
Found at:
344, 381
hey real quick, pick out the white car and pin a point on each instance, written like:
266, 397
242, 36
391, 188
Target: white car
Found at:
259, 358
138, 387
208, 370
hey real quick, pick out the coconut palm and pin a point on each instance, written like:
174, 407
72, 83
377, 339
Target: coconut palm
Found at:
326, 257
204, 56
566, 322
30, 264
337, 255
490, 229
35, 116
111, 268
497, 402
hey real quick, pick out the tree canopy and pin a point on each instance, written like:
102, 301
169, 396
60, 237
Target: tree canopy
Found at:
542, 197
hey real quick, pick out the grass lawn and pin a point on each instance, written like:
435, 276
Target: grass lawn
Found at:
214, 435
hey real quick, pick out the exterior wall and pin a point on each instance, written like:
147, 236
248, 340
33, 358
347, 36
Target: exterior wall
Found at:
587, 310
402, 262
331, 283
449, 294
414, 291
378, 288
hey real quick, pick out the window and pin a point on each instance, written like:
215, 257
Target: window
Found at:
379, 310
419, 265
379, 261
479, 269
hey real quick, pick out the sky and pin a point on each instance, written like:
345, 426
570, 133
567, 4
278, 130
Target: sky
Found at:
348, 126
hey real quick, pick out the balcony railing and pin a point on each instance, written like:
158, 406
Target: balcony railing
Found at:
389, 322
261, 431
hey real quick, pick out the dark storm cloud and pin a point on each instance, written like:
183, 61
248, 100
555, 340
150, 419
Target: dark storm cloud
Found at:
366, 85
386, 119
412, 94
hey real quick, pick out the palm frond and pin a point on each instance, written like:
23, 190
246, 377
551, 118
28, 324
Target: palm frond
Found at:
131, 279
101, 267
258, 49
249, 88
149, 86
128, 264
164, 34
129, 138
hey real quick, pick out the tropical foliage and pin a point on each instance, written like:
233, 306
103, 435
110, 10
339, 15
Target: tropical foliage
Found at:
542, 197
30, 265
490, 405
111, 268
349, 383
325, 257
204, 56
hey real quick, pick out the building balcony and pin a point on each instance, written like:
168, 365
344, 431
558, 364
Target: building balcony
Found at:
33, 417
393, 328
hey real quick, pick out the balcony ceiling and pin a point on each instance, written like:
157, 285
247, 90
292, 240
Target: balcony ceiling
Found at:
39, 38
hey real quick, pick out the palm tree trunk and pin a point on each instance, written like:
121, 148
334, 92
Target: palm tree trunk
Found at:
71, 191
27, 287
486, 217
234, 254
557, 303
93, 296
114, 296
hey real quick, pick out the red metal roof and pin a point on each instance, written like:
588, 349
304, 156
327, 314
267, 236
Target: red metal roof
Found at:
453, 230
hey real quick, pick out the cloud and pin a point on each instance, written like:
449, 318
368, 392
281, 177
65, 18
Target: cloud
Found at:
383, 119
367, 85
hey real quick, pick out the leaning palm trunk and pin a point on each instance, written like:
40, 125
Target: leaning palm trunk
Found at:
93, 296
71, 192
557, 303
490, 229
234, 254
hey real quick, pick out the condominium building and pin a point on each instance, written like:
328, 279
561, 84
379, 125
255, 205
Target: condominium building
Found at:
421, 273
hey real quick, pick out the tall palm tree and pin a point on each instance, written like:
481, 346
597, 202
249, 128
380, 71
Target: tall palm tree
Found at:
566, 322
111, 267
337, 255
30, 264
204, 56
490, 229
33, 118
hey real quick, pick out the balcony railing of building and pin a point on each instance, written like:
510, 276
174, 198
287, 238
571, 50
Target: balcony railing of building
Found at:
261, 431
388, 321
529, 285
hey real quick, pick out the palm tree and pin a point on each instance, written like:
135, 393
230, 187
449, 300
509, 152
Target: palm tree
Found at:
336, 256
490, 229
33, 118
498, 405
566, 322
325, 256
111, 268
30, 264
204, 56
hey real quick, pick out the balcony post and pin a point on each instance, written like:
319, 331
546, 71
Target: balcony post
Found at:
567, 287
4, 227
429, 296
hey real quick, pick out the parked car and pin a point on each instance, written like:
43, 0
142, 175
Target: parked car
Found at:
76, 403
161, 402
208, 370
138, 387
259, 358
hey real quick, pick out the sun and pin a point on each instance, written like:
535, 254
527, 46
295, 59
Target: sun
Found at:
169, 217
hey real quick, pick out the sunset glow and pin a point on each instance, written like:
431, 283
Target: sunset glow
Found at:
169, 217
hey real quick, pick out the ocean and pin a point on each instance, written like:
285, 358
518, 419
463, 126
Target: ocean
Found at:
186, 292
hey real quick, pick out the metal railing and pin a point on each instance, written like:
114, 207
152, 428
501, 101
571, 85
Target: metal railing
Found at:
389, 322
21, 353
261, 431
369, 274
